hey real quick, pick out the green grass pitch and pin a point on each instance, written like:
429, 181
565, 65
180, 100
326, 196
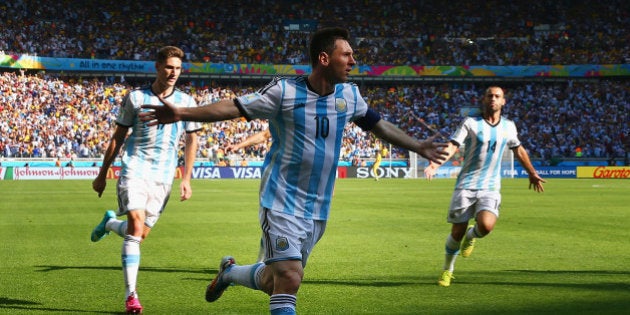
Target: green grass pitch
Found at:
565, 251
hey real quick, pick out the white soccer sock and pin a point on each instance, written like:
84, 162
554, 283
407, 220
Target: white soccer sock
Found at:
452, 250
248, 275
473, 233
282, 304
131, 262
117, 226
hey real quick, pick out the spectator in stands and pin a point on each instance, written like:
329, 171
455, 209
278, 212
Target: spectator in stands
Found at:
45, 115
392, 33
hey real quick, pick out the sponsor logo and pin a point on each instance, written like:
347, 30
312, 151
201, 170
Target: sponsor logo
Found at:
23, 173
385, 172
248, 172
611, 172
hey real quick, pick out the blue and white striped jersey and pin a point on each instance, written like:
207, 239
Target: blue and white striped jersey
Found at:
151, 152
300, 168
484, 145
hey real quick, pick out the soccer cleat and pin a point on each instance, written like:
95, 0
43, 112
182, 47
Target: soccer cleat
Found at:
468, 244
132, 305
99, 231
445, 278
217, 286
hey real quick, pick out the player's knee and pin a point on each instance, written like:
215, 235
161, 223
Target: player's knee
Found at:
289, 280
484, 228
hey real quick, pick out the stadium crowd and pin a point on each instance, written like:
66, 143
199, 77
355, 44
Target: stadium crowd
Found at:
47, 116
424, 32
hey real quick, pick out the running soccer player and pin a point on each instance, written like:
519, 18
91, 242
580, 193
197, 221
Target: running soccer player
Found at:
307, 116
477, 189
149, 163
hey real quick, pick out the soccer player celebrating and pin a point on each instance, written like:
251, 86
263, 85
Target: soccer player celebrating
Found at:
307, 115
149, 163
477, 189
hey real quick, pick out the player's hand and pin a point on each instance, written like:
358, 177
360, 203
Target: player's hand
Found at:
433, 151
159, 114
536, 182
185, 191
430, 171
98, 185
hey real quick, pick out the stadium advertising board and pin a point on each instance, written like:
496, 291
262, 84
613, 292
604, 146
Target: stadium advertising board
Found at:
612, 172
447, 172
382, 172
134, 66
519, 172
247, 172
543, 171
255, 172
29, 173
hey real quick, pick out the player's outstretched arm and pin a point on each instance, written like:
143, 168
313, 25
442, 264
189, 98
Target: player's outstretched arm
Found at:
169, 113
432, 151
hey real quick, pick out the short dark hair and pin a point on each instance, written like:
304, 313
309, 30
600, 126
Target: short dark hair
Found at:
324, 40
494, 87
168, 52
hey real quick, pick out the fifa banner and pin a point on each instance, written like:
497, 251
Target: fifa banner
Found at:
518, 172
543, 171
612, 172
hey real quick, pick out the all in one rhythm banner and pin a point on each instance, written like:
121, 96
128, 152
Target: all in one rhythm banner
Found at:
130, 66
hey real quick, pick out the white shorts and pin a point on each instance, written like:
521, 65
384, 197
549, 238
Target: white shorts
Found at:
465, 204
140, 194
286, 237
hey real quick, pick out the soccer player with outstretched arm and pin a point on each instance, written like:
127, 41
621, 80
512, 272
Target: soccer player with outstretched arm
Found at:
477, 189
306, 115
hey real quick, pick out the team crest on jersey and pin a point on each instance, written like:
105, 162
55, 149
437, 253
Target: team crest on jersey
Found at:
246, 99
282, 243
341, 105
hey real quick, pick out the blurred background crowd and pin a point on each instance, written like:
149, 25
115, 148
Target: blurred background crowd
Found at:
46, 115
42, 116
387, 32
